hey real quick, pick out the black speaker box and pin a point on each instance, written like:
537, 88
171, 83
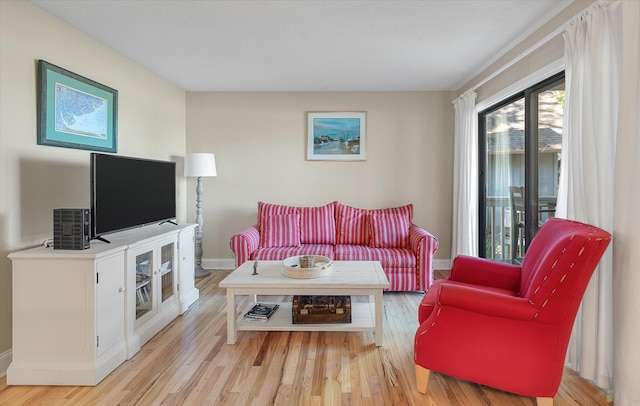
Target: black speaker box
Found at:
71, 229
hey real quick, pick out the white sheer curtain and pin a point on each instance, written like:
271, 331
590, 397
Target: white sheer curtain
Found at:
587, 177
626, 228
598, 141
465, 177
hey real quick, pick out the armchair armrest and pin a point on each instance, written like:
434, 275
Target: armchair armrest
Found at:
244, 244
423, 245
486, 302
484, 272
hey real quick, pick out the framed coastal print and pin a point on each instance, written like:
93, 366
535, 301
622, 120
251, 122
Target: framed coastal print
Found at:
336, 136
75, 112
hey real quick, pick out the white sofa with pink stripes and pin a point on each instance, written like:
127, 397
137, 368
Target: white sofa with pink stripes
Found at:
343, 233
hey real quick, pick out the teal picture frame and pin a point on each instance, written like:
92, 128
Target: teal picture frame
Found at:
74, 111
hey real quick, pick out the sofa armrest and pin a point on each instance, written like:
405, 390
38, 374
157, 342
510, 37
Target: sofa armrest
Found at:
424, 245
244, 244
484, 272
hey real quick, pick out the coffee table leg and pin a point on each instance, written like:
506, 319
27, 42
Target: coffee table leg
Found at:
378, 303
232, 332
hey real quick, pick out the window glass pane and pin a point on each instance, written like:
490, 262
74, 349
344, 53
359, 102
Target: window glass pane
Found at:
505, 169
550, 118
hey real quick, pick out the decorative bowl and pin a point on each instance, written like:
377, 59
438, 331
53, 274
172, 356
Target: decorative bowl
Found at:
291, 268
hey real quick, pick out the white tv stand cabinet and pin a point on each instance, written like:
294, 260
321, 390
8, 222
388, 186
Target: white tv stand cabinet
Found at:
78, 314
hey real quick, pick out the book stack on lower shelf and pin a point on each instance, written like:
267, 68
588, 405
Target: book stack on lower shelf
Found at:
260, 312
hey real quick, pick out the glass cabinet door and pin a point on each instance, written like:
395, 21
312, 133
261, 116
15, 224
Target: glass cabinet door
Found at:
167, 273
144, 283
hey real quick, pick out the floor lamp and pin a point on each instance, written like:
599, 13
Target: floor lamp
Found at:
198, 165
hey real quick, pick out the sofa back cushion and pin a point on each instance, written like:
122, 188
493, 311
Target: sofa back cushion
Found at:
388, 230
268, 209
318, 224
280, 230
353, 224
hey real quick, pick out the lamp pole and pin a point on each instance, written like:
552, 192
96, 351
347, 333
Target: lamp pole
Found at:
200, 272
198, 165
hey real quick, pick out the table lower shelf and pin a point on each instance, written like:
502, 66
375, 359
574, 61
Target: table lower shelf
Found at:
362, 319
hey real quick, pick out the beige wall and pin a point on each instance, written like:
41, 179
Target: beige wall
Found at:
259, 142
35, 179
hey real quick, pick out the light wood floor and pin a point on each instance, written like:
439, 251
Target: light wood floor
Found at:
189, 363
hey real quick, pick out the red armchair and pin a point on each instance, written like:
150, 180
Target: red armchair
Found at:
508, 326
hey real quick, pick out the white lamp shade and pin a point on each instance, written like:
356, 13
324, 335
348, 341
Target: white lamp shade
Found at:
199, 164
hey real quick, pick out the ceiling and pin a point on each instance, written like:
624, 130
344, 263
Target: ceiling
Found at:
309, 45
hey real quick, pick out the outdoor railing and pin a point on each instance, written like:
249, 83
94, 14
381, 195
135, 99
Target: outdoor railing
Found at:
498, 236
498, 233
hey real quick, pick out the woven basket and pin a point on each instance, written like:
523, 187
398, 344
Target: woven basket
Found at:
291, 268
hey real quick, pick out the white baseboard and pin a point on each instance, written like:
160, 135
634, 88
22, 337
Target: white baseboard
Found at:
219, 263
442, 264
229, 263
5, 360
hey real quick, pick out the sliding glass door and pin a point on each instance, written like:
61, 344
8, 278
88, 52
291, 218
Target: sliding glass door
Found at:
520, 150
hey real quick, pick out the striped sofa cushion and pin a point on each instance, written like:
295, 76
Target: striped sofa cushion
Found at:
406, 211
318, 224
352, 224
388, 230
388, 257
268, 209
282, 230
280, 253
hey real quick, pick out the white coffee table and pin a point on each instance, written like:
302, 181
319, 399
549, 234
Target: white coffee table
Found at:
349, 278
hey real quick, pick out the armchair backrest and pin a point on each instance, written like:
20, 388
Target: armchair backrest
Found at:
558, 266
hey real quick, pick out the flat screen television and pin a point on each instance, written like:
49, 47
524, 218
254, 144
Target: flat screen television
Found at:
129, 192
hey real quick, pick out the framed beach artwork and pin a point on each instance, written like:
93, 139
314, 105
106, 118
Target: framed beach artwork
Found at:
75, 112
336, 136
